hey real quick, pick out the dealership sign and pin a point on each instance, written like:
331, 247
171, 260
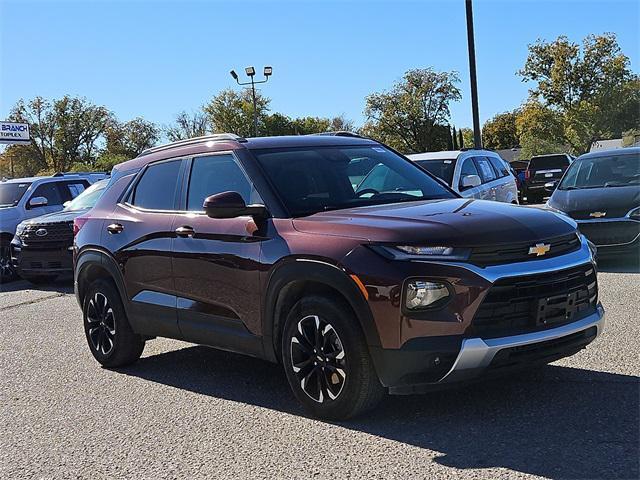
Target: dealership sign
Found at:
11, 132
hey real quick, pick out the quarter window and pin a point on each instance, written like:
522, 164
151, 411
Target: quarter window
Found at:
217, 174
486, 170
156, 190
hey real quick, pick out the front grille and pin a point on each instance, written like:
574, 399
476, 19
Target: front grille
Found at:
611, 233
519, 252
58, 235
546, 351
45, 265
536, 302
610, 213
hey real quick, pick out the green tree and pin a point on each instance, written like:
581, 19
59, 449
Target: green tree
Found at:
411, 115
187, 125
540, 130
591, 86
500, 132
461, 139
130, 139
231, 111
467, 137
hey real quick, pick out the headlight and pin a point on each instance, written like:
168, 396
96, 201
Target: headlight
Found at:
635, 213
423, 294
20, 228
417, 250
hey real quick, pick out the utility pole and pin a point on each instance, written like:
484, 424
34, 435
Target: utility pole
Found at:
251, 72
477, 133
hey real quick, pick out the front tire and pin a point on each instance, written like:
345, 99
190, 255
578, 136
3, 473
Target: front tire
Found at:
327, 361
109, 335
7, 273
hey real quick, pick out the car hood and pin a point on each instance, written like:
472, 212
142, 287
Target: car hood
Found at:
55, 217
455, 222
614, 201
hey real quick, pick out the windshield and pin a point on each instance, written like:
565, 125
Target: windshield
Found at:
88, 198
11, 193
315, 179
548, 162
441, 168
596, 172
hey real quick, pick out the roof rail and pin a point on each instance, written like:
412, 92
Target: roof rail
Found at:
340, 133
190, 141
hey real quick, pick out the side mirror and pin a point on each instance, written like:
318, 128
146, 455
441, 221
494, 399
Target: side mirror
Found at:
38, 202
551, 186
66, 204
470, 181
231, 205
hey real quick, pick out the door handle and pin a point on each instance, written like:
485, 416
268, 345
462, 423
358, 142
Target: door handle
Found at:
185, 231
115, 228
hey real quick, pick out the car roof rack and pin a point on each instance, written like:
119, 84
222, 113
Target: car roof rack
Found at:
216, 137
339, 133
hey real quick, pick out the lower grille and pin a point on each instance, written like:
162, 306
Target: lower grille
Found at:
47, 265
519, 252
610, 233
536, 302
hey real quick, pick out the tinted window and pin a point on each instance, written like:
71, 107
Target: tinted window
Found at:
548, 162
468, 168
71, 190
217, 174
50, 192
156, 189
11, 193
441, 168
315, 179
499, 166
486, 170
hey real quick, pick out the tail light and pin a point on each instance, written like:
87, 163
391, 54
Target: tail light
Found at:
527, 174
78, 223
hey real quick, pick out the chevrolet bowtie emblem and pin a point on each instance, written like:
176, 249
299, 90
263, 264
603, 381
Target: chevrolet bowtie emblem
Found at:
597, 214
540, 249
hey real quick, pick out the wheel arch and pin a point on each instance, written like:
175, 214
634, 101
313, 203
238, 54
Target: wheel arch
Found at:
92, 264
293, 279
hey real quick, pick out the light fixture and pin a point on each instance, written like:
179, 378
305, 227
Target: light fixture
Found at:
423, 294
234, 74
250, 71
268, 71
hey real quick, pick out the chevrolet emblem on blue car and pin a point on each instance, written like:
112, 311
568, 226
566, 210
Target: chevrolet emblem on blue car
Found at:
539, 249
597, 214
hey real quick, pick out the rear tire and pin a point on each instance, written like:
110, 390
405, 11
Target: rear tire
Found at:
109, 335
326, 360
7, 273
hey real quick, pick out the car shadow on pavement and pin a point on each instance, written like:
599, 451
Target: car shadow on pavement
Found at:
63, 284
556, 422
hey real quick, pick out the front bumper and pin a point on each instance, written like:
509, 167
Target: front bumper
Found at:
35, 262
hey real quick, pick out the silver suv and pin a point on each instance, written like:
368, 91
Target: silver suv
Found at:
24, 198
481, 174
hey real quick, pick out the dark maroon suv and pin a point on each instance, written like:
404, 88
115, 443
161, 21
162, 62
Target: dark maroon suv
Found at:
335, 256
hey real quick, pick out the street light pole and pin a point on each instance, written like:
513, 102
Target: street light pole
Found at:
250, 71
477, 134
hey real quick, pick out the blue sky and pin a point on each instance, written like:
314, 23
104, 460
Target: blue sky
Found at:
156, 58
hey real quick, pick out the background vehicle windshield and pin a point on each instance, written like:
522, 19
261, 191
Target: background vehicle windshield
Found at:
610, 171
316, 179
548, 162
11, 193
88, 198
441, 168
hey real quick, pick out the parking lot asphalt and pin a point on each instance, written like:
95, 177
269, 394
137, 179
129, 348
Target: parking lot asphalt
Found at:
193, 412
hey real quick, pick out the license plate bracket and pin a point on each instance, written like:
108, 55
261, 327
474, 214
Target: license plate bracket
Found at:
555, 309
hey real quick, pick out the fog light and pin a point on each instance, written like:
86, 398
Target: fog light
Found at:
422, 294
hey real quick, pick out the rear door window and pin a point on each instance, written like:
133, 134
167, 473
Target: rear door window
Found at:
156, 189
499, 166
70, 190
487, 174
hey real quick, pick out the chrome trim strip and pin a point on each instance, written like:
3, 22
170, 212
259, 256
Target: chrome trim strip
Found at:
604, 220
476, 353
531, 267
